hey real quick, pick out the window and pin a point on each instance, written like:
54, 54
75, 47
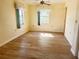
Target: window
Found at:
43, 16
20, 17
21, 14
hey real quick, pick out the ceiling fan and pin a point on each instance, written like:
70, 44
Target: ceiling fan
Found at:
42, 2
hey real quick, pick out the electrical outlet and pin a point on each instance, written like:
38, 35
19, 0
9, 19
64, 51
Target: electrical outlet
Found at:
76, 21
15, 30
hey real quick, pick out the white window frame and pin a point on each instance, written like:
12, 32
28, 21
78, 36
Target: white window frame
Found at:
44, 18
21, 15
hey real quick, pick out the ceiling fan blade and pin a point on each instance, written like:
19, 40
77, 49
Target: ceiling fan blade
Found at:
47, 4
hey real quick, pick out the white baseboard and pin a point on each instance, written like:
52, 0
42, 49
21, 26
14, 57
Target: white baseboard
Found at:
10, 40
74, 54
6, 42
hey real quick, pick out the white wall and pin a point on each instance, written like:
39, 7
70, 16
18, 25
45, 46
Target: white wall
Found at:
78, 29
71, 24
56, 19
8, 28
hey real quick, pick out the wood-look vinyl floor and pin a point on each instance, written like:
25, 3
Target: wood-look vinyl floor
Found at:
37, 45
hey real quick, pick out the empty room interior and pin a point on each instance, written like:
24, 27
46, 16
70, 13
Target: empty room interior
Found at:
39, 29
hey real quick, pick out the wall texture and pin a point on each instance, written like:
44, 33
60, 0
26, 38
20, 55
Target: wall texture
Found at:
8, 29
56, 21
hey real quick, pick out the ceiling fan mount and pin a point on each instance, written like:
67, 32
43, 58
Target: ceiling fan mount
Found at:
43, 2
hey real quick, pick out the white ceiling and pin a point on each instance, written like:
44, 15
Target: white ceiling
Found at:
49, 1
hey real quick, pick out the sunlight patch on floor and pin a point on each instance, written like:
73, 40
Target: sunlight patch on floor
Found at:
45, 38
46, 35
